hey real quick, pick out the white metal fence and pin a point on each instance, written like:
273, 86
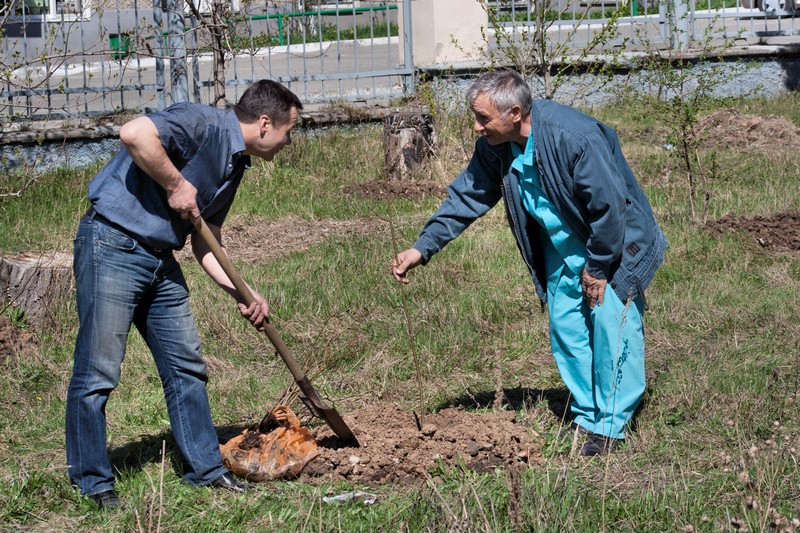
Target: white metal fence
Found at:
67, 58
137, 57
654, 24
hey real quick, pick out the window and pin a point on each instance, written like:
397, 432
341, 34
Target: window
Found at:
51, 10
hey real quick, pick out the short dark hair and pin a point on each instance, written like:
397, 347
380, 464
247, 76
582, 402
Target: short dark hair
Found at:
266, 97
505, 89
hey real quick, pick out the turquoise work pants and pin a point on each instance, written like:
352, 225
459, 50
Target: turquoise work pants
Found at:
599, 352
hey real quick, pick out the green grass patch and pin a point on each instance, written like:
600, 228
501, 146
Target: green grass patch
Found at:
715, 445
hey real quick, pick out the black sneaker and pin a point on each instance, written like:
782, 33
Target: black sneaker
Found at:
599, 445
568, 433
107, 500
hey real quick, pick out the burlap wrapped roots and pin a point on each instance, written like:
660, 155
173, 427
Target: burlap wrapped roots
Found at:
281, 453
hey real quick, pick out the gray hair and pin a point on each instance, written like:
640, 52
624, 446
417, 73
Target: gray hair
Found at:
505, 89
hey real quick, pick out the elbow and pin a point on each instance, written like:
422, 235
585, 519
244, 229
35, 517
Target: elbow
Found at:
136, 131
127, 133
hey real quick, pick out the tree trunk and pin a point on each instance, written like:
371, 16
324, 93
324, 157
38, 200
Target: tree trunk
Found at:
408, 138
219, 34
38, 284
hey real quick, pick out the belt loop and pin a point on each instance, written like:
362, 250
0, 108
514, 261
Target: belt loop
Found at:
90, 213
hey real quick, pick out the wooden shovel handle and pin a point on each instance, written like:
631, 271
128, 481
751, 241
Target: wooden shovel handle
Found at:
227, 266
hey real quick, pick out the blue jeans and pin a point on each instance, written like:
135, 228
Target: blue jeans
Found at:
119, 282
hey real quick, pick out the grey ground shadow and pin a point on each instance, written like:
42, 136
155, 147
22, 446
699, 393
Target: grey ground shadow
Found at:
518, 398
132, 456
791, 69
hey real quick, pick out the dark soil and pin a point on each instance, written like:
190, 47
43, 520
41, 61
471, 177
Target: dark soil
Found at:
394, 450
259, 240
775, 233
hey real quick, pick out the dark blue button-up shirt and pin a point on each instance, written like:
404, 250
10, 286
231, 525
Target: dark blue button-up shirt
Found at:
206, 146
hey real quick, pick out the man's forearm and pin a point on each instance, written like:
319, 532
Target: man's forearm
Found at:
210, 264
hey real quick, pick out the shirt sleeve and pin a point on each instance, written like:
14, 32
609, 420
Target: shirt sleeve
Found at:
182, 131
469, 197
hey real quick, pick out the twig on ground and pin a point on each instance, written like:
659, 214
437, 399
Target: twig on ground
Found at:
34, 177
446, 507
480, 508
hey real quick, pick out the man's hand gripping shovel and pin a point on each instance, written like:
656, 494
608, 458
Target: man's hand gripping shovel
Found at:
313, 399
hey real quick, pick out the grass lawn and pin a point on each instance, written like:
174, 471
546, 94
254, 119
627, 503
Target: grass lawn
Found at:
716, 443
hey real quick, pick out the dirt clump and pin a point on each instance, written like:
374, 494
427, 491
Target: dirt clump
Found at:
731, 128
398, 190
777, 233
395, 450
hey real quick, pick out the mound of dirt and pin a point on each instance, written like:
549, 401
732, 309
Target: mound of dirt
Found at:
776, 233
731, 128
407, 190
394, 450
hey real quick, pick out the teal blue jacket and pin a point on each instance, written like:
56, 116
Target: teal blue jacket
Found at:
584, 174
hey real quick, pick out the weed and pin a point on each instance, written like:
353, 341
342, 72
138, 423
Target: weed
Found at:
17, 316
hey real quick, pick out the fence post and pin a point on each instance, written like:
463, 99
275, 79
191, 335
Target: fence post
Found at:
408, 54
678, 19
158, 22
445, 31
195, 62
177, 52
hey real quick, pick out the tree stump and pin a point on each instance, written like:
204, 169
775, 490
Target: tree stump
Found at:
38, 284
408, 138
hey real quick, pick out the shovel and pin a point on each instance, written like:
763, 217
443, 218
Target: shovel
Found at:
329, 414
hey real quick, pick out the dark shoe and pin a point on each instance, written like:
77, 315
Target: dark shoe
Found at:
599, 445
228, 482
107, 500
568, 433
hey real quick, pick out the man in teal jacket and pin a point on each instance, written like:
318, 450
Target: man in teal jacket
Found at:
582, 224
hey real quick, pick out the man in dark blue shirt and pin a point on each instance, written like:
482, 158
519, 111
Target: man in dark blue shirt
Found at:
176, 165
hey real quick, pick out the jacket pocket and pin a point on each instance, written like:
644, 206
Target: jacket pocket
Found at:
639, 236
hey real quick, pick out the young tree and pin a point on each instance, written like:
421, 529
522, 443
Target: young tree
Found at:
679, 86
527, 44
219, 29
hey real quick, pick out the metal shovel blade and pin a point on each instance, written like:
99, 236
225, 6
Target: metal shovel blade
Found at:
328, 414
